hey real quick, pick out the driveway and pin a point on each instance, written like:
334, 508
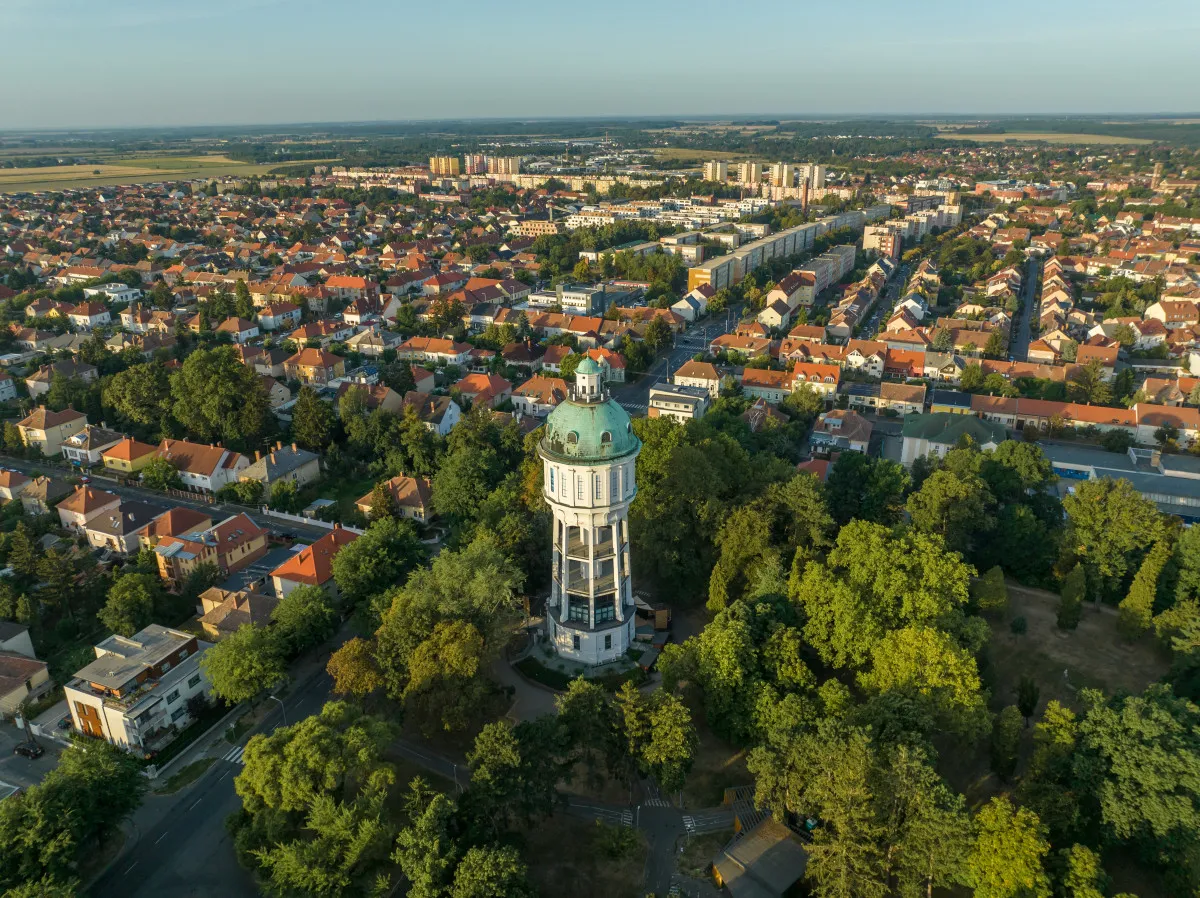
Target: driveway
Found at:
19, 772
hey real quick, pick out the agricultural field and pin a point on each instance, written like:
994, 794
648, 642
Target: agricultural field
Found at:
1041, 136
683, 154
124, 170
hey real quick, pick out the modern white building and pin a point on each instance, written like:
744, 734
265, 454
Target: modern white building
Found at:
588, 454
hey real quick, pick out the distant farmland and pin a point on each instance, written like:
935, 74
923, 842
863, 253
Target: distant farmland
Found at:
125, 170
1041, 136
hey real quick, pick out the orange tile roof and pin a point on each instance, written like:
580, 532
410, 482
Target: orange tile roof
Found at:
129, 449
314, 564
87, 499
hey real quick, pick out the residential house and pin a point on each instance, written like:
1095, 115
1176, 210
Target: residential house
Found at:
936, 433
678, 401
41, 493
314, 366
612, 363
46, 430
489, 389
539, 395
38, 383
434, 349
226, 611
174, 522
412, 497
277, 393
137, 692
85, 503
822, 378
86, 448
203, 468
279, 316
904, 399
118, 529
23, 678
128, 457
698, 374
229, 546
283, 463
766, 383
239, 329
88, 315
437, 413
312, 565
11, 484
841, 430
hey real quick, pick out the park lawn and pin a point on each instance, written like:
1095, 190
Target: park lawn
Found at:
563, 860
698, 852
1093, 655
1042, 136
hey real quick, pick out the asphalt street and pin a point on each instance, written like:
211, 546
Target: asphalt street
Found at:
181, 847
1020, 346
155, 497
634, 397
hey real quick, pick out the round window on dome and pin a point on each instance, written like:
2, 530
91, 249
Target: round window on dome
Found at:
606, 437
572, 438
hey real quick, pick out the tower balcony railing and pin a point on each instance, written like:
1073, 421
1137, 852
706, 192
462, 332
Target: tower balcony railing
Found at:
578, 582
578, 548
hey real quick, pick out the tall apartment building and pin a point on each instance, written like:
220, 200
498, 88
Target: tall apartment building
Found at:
813, 173
504, 165
447, 166
749, 172
782, 174
475, 164
716, 171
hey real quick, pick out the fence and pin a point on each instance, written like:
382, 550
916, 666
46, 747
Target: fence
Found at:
300, 519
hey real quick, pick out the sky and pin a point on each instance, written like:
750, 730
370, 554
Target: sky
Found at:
118, 63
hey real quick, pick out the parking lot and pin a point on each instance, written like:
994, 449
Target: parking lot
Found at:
17, 772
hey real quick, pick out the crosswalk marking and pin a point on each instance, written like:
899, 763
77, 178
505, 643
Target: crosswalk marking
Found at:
657, 803
234, 756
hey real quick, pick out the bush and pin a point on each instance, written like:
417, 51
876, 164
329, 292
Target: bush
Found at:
616, 842
1070, 606
1018, 626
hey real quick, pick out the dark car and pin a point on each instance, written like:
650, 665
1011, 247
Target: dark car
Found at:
29, 750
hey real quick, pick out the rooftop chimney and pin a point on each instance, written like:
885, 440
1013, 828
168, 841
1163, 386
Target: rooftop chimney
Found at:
294, 447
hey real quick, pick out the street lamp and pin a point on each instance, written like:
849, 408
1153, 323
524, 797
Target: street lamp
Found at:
282, 707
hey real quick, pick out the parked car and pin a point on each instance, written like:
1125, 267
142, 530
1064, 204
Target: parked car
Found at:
29, 750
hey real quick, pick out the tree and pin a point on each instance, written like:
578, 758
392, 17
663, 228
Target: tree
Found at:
491, 872
447, 623
934, 670
47, 830
515, 773
593, 729
657, 334
1006, 860
23, 553
426, 850
866, 489
953, 507
245, 663
160, 474
1082, 876
383, 556
804, 403
1137, 608
991, 593
1086, 384
383, 502
1143, 764
312, 420
995, 347
1070, 603
284, 495
582, 270
131, 603
1006, 742
873, 582
1028, 695
305, 617
1111, 524
217, 398
943, 340
354, 669
140, 395
665, 748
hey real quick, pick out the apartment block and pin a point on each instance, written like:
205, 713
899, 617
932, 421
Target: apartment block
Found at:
716, 171
136, 693
445, 166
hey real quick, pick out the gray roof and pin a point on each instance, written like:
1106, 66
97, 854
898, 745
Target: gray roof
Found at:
123, 657
129, 516
947, 428
277, 463
762, 863
952, 398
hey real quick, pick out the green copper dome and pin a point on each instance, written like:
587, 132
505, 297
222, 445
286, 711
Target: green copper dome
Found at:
589, 431
588, 366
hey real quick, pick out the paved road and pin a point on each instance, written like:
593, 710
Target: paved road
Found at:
1020, 346
885, 304
634, 397
157, 498
17, 771
181, 847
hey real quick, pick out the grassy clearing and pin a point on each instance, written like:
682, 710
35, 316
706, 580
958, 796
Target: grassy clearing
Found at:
563, 860
125, 170
186, 776
683, 154
718, 766
1094, 655
1043, 137
698, 852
